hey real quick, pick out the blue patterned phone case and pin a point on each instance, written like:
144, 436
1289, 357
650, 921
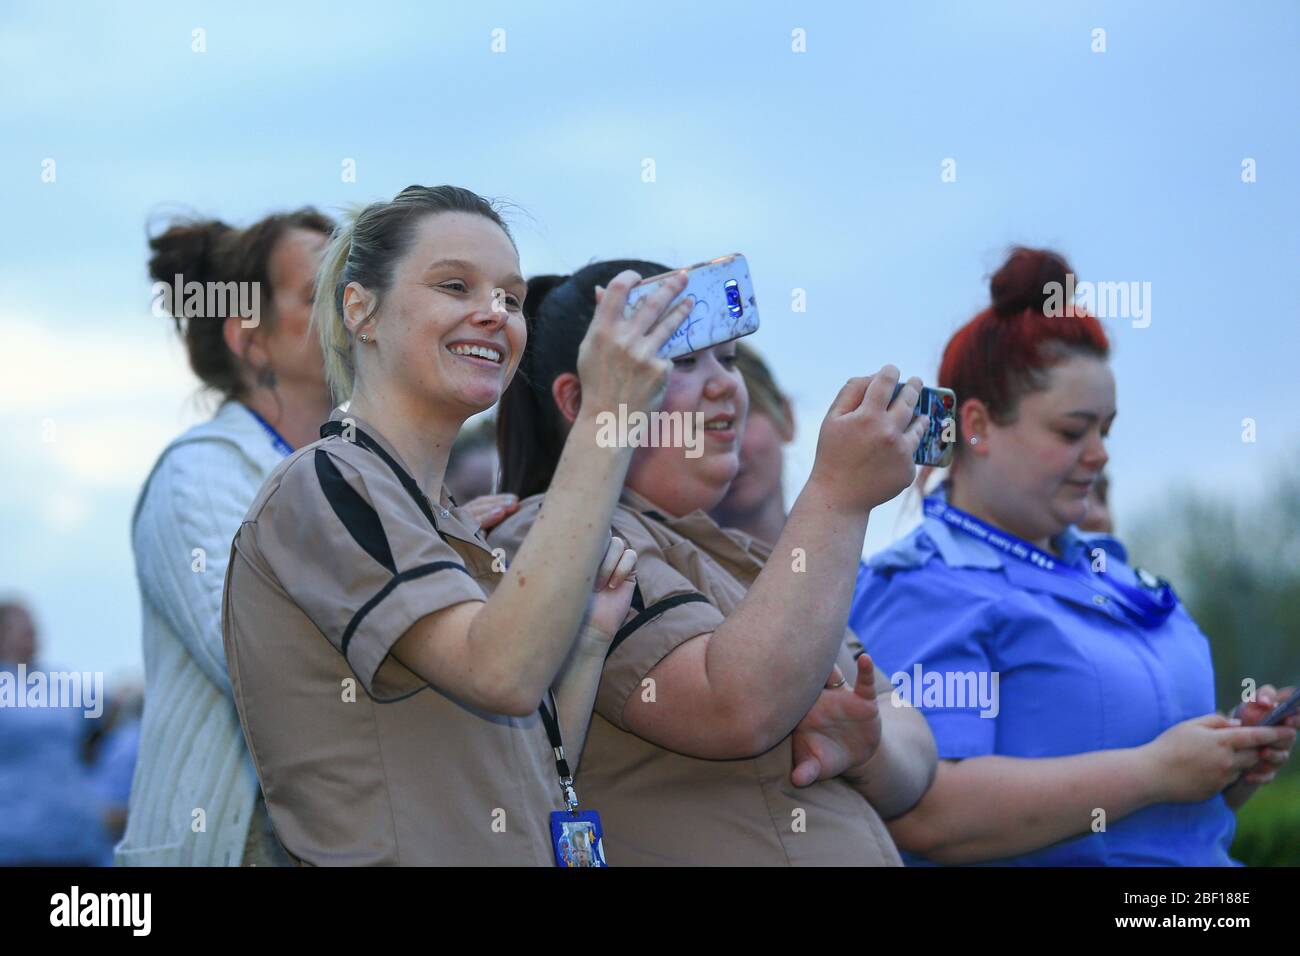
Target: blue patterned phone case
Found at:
725, 308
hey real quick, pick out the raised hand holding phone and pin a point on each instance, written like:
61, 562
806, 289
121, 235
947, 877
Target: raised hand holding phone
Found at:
618, 361
866, 444
939, 443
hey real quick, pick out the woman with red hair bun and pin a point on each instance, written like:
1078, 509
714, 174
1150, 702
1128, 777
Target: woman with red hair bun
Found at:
1071, 697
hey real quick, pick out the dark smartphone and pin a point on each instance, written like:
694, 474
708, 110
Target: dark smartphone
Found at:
935, 450
1283, 710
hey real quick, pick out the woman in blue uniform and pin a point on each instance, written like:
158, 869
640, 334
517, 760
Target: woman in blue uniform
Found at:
1071, 698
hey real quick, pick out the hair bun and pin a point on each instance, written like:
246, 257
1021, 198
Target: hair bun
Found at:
538, 288
1020, 284
187, 249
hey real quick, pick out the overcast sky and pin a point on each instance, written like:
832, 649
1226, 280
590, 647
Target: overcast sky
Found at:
825, 166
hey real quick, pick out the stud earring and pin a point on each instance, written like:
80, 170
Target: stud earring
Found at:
364, 336
974, 439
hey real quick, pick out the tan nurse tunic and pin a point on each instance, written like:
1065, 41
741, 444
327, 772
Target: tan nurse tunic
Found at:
360, 760
660, 807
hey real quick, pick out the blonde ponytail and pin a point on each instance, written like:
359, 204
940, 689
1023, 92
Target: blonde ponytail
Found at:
327, 312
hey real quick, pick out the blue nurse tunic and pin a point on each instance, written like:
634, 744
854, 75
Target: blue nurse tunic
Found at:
1073, 674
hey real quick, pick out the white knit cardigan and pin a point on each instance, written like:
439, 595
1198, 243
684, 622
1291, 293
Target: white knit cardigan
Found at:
192, 752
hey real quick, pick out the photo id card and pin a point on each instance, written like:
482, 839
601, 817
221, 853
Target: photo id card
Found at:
577, 838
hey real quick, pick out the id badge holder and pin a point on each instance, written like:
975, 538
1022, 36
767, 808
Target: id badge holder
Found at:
577, 838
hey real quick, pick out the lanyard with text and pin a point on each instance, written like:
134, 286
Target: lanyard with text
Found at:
576, 835
1147, 606
277, 440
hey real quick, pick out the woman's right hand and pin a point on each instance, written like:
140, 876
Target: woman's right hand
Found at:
618, 361
1198, 758
866, 444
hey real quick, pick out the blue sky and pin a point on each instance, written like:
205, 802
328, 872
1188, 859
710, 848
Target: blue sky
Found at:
822, 166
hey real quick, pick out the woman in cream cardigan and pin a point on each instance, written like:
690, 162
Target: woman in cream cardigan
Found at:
194, 797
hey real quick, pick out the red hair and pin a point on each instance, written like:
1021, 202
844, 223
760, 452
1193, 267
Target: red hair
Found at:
1007, 350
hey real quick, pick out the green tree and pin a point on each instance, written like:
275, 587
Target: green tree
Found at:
1236, 566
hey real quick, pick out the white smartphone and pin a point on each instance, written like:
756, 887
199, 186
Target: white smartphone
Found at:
725, 308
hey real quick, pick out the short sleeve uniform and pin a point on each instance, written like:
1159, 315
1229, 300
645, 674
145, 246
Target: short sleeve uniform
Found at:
360, 760
1004, 657
660, 807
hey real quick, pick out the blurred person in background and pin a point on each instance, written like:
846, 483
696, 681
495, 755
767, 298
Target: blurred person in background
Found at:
194, 797
50, 814
472, 475
112, 754
1099, 744
755, 501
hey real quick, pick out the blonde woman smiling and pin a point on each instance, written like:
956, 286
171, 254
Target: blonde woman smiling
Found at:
391, 705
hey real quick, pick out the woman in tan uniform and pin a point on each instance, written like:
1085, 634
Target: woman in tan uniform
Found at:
391, 707
690, 753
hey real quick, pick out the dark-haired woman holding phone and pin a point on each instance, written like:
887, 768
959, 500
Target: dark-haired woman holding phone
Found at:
729, 642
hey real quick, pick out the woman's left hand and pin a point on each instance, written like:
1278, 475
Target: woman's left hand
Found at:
1271, 759
841, 732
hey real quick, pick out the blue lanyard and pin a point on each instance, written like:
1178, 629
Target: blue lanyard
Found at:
1147, 606
277, 440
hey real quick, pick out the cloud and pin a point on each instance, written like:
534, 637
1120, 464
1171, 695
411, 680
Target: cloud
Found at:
89, 406
62, 511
